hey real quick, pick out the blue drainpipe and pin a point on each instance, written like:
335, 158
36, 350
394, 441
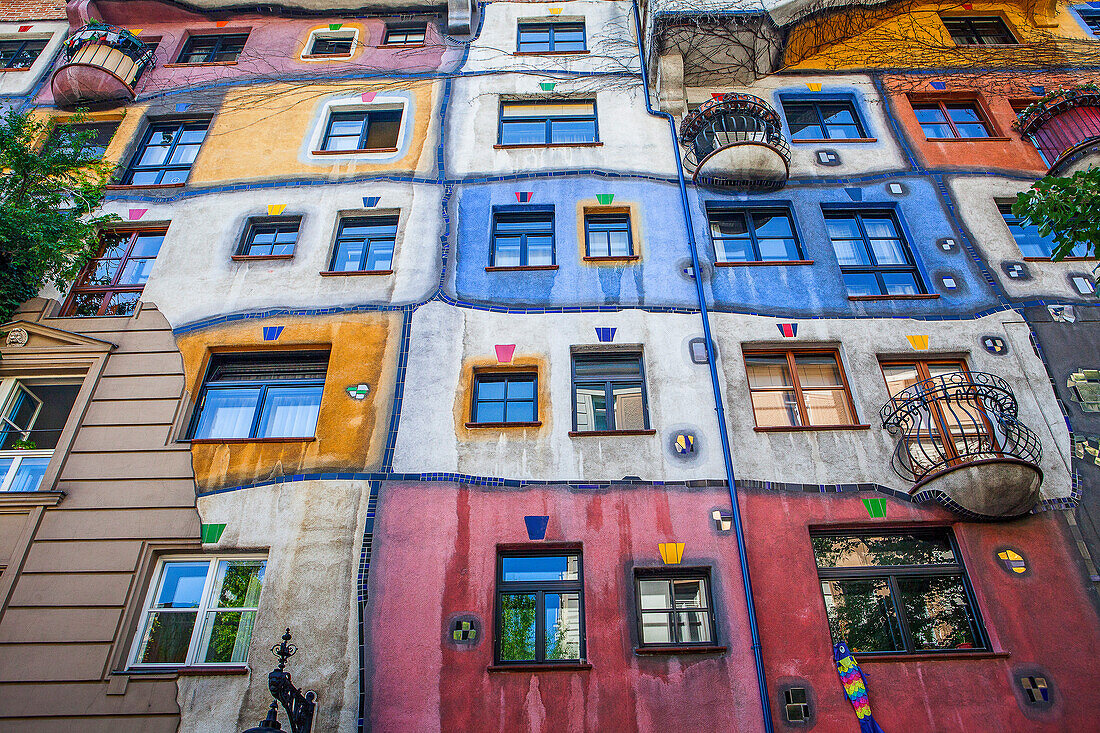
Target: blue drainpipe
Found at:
716, 385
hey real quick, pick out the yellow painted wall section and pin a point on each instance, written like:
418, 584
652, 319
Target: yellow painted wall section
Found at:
261, 131
910, 35
351, 433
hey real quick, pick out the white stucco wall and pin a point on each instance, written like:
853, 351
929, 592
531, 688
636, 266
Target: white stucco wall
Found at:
17, 82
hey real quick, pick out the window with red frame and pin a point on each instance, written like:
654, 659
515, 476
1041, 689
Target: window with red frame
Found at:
111, 283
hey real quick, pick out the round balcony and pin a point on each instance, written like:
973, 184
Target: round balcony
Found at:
960, 443
1065, 127
100, 67
736, 141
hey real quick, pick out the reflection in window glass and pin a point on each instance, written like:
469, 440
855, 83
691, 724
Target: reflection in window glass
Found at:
539, 609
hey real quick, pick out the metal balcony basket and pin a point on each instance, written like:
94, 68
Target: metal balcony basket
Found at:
732, 119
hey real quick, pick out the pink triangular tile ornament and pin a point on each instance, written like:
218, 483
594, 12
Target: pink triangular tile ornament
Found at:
505, 352
137, 213
369, 96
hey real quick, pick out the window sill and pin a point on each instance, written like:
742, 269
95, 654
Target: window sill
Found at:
26, 499
922, 296
215, 441
551, 53
764, 263
219, 669
128, 186
1064, 259
518, 146
521, 268
184, 65
608, 433
28, 68
612, 260
256, 258
968, 139
325, 56
402, 45
535, 424
837, 141
928, 656
807, 428
335, 273
572, 667
673, 650
361, 151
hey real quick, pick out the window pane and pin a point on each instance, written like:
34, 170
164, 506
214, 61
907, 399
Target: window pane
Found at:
491, 390
968, 121
228, 413
290, 412
591, 408
136, 271
938, 613
166, 638
384, 128
775, 236
840, 121
572, 131
900, 283
827, 407
654, 594
803, 121
862, 283
226, 636
655, 628
563, 626
489, 412
818, 371
238, 583
521, 389
520, 411
380, 255
768, 371
693, 627
514, 132
933, 122
540, 250
778, 408
28, 475
861, 613
900, 376
517, 627
181, 585
629, 406
876, 550
349, 256
608, 366
688, 594
507, 251
546, 567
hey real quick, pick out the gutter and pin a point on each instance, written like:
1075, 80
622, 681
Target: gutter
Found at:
716, 384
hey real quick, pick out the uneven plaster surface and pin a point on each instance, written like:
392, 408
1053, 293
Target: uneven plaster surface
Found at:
313, 530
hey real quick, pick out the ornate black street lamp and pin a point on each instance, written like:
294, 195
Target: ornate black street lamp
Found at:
299, 708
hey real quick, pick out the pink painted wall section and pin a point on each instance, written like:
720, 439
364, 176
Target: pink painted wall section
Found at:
434, 557
273, 50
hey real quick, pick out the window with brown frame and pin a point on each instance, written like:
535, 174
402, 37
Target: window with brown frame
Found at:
799, 389
950, 119
111, 284
951, 424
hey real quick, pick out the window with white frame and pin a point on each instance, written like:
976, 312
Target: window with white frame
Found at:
331, 43
32, 416
199, 610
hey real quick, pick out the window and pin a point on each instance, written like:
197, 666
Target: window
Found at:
978, 31
166, 153
199, 611
897, 592
257, 396
540, 608
550, 37
95, 138
331, 43
608, 235
215, 49
365, 244
874, 258
799, 389
568, 122
946, 120
523, 239
674, 608
111, 284
609, 393
31, 420
270, 237
505, 398
1091, 19
950, 427
364, 130
20, 54
765, 235
825, 120
412, 35
1030, 241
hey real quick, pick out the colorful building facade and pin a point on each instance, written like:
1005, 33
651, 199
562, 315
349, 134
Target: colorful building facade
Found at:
581, 365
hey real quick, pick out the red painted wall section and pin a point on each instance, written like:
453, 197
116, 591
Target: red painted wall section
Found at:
434, 557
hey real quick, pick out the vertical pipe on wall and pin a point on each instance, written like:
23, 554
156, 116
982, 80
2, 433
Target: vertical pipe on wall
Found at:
716, 384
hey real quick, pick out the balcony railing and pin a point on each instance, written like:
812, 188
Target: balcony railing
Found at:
736, 141
101, 64
1062, 123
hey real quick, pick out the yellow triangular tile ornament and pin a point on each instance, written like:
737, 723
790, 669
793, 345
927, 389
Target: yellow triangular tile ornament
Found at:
275, 209
918, 341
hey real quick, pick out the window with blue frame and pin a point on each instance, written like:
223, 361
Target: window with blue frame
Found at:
212, 49
365, 244
753, 235
270, 236
1091, 19
522, 239
20, 54
505, 398
607, 235
565, 122
550, 37
258, 396
823, 120
362, 130
539, 608
945, 120
1030, 241
873, 255
166, 153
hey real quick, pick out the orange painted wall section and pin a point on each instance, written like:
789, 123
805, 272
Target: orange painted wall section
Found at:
350, 435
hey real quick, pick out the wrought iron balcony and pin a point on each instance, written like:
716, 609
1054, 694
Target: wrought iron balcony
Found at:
960, 442
101, 65
1064, 126
736, 141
